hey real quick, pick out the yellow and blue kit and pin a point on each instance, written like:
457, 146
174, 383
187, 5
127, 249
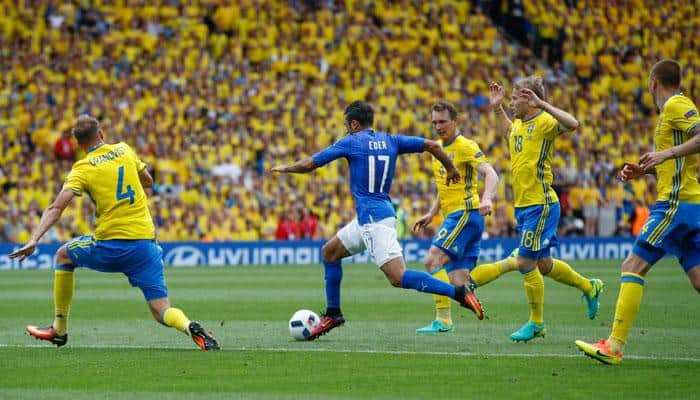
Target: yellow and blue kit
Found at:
459, 235
531, 144
124, 238
674, 223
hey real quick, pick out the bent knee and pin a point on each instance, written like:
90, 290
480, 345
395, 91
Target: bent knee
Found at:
62, 256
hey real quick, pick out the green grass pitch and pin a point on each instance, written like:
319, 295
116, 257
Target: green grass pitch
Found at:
116, 351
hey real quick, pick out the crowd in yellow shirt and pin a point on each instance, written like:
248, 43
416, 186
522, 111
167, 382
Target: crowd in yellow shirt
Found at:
210, 94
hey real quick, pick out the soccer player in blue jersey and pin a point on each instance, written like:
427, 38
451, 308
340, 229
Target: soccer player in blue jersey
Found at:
372, 158
531, 136
674, 223
114, 178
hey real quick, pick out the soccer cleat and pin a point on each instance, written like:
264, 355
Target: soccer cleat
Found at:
327, 323
528, 332
469, 300
600, 351
436, 327
202, 337
592, 298
47, 333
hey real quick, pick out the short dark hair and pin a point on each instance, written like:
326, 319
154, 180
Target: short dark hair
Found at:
361, 112
86, 129
532, 82
444, 105
668, 73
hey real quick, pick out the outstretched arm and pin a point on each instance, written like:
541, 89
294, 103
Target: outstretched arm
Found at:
490, 182
51, 215
496, 96
299, 167
566, 121
436, 150
691, 146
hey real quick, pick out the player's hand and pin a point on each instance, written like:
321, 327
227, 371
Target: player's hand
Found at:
496, 94
453, 176
485, 207
631, 171
25, 251
279, 169
532, 99
422, 223
653, 159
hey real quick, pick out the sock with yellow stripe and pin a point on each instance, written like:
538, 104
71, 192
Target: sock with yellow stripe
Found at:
628, 302
174, 317
563, 273
485, 273
63, 287
443, 304
534, 289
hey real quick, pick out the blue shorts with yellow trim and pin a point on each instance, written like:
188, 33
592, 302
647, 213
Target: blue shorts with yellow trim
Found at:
537, 229
673, 229
140, 260
459, 236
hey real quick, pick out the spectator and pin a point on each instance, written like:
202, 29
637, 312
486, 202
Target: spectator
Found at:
65, 146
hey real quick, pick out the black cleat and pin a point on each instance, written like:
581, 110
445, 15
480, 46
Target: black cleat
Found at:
202, 337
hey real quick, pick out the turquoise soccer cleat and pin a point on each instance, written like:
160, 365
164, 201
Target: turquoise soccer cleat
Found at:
528, 332
436, 327
592, 298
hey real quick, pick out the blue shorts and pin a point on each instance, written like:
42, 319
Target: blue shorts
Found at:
140, 260
459, 237
674, 230
537, 228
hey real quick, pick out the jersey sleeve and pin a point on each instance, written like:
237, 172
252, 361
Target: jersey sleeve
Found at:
409, 144
339, 149
683, 115
472, 154
551, 128
76, 181
140, 165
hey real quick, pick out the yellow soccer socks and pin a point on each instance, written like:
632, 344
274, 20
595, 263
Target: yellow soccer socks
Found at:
174, 317
63, 287
534, 289
628, 302
443, 304
563, 273
485, 273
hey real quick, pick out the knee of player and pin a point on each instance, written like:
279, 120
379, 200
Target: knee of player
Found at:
328, 253
61, 256
395, 281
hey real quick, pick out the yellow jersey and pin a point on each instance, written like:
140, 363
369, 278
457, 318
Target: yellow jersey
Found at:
466, 155
109, 175
677, 180
531, 145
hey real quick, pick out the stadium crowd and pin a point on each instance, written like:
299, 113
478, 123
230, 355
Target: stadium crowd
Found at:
212, 93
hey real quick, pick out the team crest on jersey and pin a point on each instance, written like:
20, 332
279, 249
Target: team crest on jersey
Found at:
530, 128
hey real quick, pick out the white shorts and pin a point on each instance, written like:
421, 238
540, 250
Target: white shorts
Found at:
378, 238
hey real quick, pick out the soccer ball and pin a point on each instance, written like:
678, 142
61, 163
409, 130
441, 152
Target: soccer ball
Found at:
302, 324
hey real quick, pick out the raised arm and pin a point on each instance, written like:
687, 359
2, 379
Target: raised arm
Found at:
691, 146
496, 96
51, 215
490, 182
300, 167
567, 122
436, 150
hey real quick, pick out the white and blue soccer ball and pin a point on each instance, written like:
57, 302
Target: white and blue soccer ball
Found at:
302, 324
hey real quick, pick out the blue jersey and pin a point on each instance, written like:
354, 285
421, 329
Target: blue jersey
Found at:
372, 158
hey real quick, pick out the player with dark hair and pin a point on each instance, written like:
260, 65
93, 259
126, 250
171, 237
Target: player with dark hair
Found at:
372, 158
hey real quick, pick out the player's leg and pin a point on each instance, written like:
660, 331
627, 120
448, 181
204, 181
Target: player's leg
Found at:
346, 242
435, 262
694, 277
483, 274
562, 272
690, 259
63, 287
143, 265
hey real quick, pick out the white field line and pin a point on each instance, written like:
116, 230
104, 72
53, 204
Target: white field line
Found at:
322, 350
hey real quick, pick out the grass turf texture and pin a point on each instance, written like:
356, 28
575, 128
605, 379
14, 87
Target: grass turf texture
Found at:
117, 351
